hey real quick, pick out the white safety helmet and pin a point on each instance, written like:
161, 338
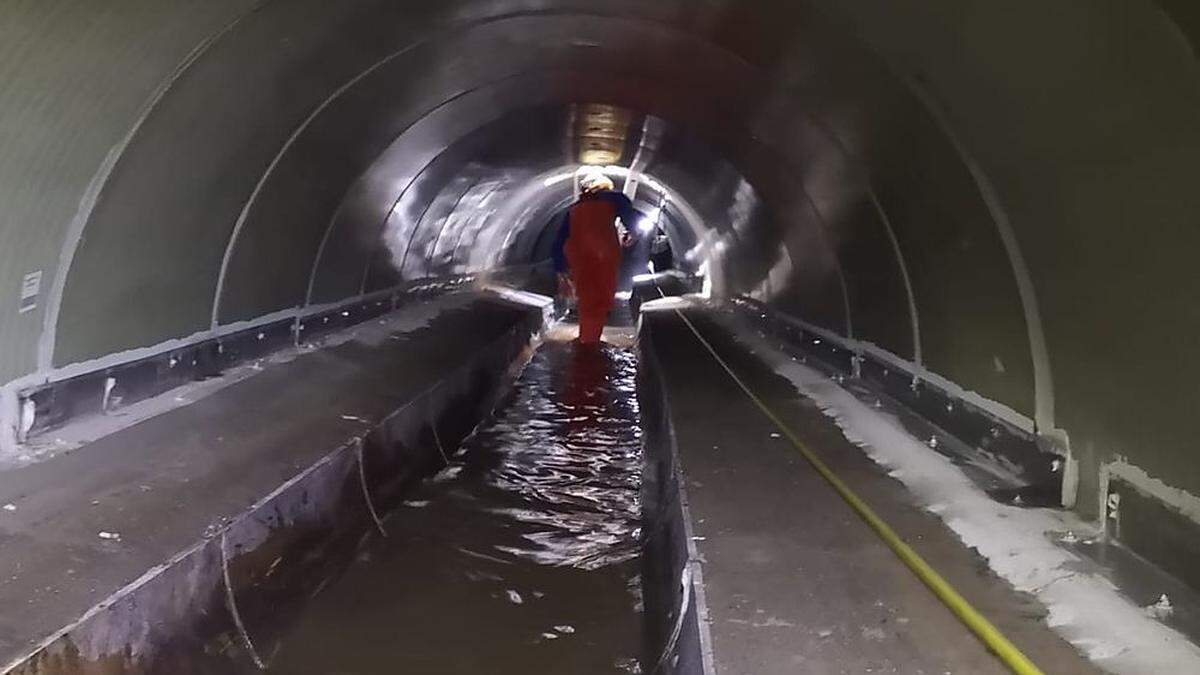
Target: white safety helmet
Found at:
595, 181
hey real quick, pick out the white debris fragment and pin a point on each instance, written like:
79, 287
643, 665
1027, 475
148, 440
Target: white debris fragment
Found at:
773, 622
564, 629
110, 383
10, 507
775, 435
515, 597
933, 441
447, 473
110, 536
825, 632
873, 633
1161, 609
550, 636
417, 503
28, 415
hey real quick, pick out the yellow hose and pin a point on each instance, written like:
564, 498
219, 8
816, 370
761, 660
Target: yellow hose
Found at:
989, 634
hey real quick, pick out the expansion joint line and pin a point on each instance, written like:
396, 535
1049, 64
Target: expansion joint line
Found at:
362, 480
991, 636
231, 603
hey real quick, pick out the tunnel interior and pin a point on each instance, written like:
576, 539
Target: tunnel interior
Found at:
990, 198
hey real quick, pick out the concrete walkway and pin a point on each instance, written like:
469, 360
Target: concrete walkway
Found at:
795, 581
160, 483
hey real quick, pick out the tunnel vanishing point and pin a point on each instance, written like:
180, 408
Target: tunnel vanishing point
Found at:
994, 200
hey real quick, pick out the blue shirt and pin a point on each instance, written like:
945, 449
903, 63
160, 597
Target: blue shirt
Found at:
624, 209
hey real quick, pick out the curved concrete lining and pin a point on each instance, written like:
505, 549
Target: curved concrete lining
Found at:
996, 195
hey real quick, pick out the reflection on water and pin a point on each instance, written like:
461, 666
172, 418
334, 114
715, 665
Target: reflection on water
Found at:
521, 557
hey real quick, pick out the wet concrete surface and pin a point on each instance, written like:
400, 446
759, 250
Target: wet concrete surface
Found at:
521, 556
795, 581
1142, 582
163, 482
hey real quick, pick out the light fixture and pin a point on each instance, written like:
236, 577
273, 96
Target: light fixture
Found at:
647, 224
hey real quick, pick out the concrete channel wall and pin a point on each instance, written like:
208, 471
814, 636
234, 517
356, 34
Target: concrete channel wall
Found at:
671, 578
221, 605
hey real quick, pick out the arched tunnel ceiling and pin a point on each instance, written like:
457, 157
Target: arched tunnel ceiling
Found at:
995, 192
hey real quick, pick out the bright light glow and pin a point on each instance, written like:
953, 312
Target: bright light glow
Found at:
596, 157
558, 178
653, 185
609, 170
647, 224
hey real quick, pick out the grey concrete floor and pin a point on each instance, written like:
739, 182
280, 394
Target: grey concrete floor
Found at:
163, 481
795, 581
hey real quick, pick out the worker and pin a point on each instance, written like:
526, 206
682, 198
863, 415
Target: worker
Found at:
587, 251
661, 258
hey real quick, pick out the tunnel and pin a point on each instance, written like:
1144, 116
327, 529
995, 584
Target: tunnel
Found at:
968, 217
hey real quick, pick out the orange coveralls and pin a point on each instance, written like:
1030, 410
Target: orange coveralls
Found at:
593, 254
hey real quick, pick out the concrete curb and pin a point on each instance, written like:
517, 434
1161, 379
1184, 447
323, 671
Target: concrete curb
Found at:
221, 604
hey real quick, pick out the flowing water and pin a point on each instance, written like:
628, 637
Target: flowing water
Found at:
522, 556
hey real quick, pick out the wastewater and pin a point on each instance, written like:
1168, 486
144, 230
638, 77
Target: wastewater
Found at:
520, 556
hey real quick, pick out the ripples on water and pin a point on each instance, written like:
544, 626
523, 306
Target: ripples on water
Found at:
521, 557
570, 456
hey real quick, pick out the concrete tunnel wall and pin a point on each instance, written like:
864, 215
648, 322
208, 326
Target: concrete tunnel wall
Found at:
998, 193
